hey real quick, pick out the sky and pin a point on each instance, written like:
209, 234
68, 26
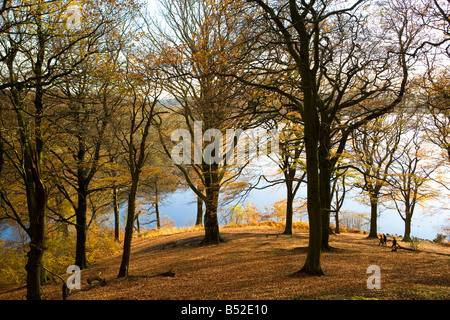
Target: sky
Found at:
152, 5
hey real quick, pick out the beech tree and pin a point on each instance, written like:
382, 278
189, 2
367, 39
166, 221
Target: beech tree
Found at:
338, 193
140, 116
333, 63
290, 161
37, 43
435, 17
157, 183
410, 174
374, 151
291, 152
90, 97
195, 45
434, 89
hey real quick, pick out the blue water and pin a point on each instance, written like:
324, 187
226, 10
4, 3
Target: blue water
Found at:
181, 207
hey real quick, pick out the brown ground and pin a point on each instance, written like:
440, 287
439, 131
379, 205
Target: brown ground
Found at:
251, 265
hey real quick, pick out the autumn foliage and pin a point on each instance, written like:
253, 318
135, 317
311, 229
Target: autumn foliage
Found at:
92, 94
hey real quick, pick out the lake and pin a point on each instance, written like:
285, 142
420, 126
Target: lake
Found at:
181, 207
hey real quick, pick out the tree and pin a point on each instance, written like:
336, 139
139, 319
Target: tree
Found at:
90, 103
36, 43
115, 171
141, 113
434, 14
290, 160
157, 183
339, 192
332, 63
409, 174
374, 151
195, 48
350, 96
434, 88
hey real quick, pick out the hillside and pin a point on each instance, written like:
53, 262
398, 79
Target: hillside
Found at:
255, 263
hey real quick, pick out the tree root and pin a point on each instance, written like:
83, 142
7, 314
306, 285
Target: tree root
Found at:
306, 271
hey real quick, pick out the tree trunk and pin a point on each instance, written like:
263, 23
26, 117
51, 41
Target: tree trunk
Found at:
212, 235
407, 235
199, 221
158, 219
325, 174
36, 203
81, 228
116, 215
325, 200
336, 217
2, 152
33, 267
373, 216
36, 193
37, 246
312, 264
289, 207
312, 130
123, 271
138, 225
36, 199
212, 188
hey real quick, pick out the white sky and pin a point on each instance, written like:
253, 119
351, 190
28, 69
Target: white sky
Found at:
152, 5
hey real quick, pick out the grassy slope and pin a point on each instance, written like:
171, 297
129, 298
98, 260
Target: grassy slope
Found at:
255, 264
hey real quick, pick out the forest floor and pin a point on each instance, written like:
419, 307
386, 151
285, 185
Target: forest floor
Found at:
259, 263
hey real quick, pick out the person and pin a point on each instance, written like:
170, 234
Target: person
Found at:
381, 241
385, 239
394, 244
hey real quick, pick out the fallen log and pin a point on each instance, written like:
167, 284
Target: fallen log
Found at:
409, 249
271, 235
172, 244
101, 282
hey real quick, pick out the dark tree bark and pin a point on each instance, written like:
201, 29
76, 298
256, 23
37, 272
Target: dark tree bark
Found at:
373, 233
312, 264
212, 189
326, 172
116, 214
158, 220
123, 270
81, 226
289, 207
199, 220
37, 200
